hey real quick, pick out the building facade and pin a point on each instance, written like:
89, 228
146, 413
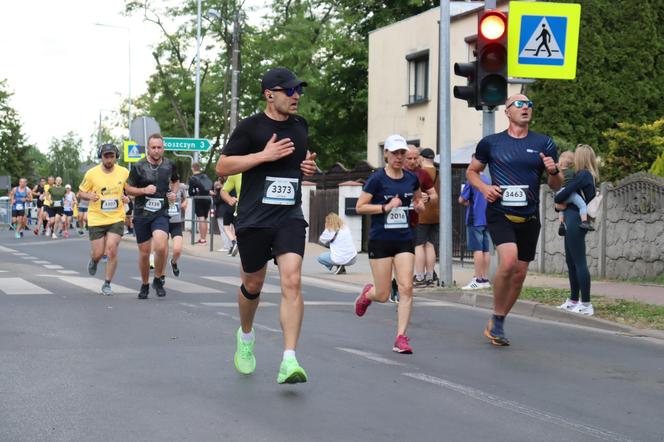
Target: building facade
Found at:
403, 82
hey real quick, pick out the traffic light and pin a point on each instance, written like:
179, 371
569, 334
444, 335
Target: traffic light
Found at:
491, 77
468, 92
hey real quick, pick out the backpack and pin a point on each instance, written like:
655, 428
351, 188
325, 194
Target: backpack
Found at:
204, 184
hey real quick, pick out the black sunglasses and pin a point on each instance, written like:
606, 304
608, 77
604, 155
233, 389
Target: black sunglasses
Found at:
291, 90
520, 103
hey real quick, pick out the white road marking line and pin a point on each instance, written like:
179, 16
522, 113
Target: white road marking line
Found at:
68, 272
236, 281
4, 271
186, 304
19, 286
342, 287
42, 262
6, 249
53, 266
371, 356
19, 254
92, 284
234, 304
256, 325
184, 286
29, 257
516, 407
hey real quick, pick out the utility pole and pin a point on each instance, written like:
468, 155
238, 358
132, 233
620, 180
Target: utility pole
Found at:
235, 71
197, 106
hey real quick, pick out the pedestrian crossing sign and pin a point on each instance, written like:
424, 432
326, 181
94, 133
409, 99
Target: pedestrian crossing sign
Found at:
133, 152
543, 40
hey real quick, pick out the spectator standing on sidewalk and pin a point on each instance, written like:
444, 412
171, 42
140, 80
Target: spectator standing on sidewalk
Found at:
338, 239
477, 235
221, 208
175, 227
231, 194
200, 185
584, 183
427, 231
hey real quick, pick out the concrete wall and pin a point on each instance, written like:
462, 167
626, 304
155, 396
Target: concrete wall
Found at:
388, 84
629, 237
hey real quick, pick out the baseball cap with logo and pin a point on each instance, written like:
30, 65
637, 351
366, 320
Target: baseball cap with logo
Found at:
427, 153
395, 142
280, 77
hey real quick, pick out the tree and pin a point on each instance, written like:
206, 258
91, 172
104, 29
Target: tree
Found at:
64, 159
620, 74
18, 156
632, 148
657, 167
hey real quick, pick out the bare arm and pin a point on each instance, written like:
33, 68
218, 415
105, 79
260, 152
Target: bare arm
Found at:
227, 198
139, 191
364, 206
491, 193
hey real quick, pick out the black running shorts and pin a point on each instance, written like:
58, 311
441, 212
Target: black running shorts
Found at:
259, 245
524, 235
388, 249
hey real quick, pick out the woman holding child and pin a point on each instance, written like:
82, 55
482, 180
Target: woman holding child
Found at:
583, 184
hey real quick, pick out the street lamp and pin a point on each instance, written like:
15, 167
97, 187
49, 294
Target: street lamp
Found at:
126, 28
197, 108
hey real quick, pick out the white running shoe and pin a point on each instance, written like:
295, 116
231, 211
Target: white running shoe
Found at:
485, 285
568, 305
585, 310
54, 236
473, 285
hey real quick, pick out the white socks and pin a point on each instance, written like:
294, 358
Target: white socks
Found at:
289, 353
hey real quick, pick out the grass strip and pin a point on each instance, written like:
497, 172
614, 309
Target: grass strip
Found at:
635, 314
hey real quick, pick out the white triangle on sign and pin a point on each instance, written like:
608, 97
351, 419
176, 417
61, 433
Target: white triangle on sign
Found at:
538, 42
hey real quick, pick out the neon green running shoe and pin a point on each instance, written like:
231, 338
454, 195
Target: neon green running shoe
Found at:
245, 361
290, 372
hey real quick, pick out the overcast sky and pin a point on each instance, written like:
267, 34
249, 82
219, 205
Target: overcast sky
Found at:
63, 69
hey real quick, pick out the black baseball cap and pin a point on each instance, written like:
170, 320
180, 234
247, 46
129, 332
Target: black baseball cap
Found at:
427, 153
108, 147
280, 77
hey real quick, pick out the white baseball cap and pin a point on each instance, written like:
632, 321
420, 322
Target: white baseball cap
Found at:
395, 142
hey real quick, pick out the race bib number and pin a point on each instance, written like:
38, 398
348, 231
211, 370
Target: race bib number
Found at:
109, 204
153, 204
514, 196
173, 209
280, 191
57, 203
19, 206
396, 218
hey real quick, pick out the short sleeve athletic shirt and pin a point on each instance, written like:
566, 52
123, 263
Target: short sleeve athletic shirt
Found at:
109, 208
143, 174
516, 162
271, 191
393, 225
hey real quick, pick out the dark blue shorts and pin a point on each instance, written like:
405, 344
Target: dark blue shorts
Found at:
82, 209
143, 227
478, 238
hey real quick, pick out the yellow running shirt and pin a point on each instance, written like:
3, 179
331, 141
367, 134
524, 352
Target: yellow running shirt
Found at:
109, 208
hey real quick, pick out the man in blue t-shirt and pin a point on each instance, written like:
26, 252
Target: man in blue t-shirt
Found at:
517, 158
478, 242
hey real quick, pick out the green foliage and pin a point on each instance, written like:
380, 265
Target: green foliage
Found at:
64, 159
18, 157
657, 167
632, 148
620, 74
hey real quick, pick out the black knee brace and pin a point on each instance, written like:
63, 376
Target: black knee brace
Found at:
248, 295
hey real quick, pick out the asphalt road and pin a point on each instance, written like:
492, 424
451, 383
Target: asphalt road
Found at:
78, 366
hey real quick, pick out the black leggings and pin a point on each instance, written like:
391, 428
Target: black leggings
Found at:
575, 256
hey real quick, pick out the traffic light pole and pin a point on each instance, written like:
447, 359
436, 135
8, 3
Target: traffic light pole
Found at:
489, 128
444, 148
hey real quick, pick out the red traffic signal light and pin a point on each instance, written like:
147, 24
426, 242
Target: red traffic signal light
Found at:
492, 58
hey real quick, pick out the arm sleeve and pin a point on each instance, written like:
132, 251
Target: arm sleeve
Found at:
580, 180
465, 194
482, 151
229, 185
326, 237
86, 185
371, 186
551, 150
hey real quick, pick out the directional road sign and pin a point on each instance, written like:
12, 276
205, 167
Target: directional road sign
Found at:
543, 40
187, 144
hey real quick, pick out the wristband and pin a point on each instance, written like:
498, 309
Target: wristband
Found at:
555, 173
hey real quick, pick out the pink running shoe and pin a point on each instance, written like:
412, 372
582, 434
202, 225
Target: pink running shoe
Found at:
65, 234
401, 345
362, 302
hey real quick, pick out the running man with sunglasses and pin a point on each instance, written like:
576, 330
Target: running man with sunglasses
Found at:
517, 158
270, 149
